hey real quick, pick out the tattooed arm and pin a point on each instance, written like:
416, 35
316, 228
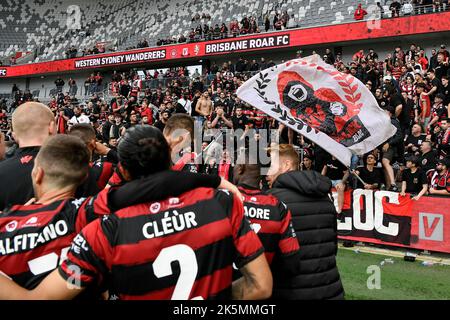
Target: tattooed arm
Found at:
256, 283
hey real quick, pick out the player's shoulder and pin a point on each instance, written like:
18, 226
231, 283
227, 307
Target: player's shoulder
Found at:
208, 196
201, 194
35, 214
188, 199
8, 163
260, 197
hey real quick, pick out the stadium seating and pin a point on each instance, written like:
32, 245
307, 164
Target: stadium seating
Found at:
41, 26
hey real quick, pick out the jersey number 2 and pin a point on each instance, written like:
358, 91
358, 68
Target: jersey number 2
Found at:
48, 262
188, 269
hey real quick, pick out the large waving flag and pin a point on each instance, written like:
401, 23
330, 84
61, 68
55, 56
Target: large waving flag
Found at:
332, 109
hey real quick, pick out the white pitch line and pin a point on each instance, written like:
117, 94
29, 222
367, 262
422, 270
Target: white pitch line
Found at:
396, 254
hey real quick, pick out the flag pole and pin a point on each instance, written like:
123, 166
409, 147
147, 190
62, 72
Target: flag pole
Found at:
352, 171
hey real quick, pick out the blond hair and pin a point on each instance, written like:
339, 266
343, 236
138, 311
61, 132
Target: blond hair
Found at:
286, 151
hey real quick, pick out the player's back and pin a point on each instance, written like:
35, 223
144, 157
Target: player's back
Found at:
35, 238
178, 248
271, 220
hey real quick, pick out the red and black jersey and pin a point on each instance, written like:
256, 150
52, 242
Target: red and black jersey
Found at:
99, 174
179, 248
248, 112
439, 182
134, 92
117, 178
260, 119
272, 222
186, 163
34, 239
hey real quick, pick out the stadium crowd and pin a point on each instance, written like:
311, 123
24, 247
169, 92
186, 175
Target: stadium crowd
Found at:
404, 8
414, 85
106, 152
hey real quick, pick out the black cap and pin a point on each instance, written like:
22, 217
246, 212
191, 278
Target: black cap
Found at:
440, 96
445, 162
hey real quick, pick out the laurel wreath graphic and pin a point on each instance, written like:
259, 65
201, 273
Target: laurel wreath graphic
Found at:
345, 81
283, 114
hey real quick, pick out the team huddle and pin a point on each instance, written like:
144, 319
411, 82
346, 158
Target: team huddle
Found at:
135, 225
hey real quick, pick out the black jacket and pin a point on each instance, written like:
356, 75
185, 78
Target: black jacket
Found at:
15, 177
314, 220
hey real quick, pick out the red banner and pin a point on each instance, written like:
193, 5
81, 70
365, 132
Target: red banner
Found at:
289, 38
384, 217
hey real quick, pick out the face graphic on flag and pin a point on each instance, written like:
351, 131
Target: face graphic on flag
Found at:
332, 109
321, 109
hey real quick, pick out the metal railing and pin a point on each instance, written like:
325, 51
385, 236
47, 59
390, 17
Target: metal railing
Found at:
417, 10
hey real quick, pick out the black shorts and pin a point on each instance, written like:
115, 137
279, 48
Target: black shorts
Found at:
389, 154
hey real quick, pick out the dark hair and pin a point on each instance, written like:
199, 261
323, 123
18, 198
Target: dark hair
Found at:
414, 159
84, 131
65, 160
143, 150
445, 162
421, 85
387, 89
370, 154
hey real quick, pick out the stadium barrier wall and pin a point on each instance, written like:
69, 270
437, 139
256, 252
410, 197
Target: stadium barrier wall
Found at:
363, 30
387, 218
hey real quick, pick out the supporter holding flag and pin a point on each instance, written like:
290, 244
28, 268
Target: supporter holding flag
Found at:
334, 110
123, 244
369, 173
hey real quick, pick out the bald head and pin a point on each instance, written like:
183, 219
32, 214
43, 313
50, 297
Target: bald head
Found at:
32, 123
